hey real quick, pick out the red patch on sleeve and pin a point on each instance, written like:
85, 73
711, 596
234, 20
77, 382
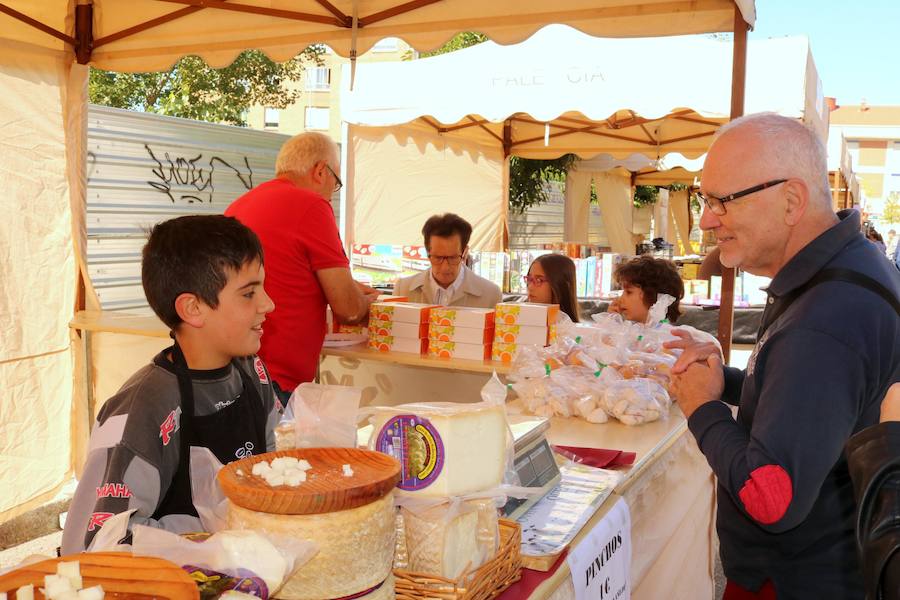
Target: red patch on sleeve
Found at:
767, 494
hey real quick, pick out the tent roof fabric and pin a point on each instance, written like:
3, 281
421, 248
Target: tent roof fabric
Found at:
562, 91
217, 30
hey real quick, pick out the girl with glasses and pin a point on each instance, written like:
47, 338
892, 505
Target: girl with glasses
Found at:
551, 280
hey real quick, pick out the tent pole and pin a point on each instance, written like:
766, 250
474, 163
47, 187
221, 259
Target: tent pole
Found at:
738, 81
84, 32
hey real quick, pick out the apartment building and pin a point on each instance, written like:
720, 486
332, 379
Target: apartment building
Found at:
318, 108
872, 134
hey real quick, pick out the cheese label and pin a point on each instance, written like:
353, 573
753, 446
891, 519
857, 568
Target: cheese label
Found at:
417, 446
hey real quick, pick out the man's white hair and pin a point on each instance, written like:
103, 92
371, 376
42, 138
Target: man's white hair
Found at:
791, 150
300, 153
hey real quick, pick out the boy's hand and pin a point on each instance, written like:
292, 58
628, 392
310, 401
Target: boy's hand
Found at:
890, 407
698, 384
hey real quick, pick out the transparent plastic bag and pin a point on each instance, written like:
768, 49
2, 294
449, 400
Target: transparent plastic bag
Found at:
241, 554
451, 536
325, 415
636, 401
466, 432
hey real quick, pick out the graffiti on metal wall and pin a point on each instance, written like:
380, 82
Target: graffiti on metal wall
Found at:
193, 179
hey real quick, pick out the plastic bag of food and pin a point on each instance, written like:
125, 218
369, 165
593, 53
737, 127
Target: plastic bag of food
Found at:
450, 536
438, 444
258, 562
636, 401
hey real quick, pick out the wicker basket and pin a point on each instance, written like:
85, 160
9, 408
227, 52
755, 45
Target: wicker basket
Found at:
485, 583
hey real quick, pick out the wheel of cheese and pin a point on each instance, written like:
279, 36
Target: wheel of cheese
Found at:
356, 548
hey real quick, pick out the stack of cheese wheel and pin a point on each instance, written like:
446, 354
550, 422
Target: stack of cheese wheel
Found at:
348, 511
448, 453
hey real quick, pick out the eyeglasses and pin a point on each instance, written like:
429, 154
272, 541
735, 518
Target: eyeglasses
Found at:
717, 205
536, 280
451, 260
338, 184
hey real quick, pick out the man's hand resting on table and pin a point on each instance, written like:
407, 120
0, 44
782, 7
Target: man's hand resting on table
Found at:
699, 383
693, 351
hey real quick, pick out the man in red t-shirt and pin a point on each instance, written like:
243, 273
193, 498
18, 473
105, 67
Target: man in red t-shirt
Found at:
306, 267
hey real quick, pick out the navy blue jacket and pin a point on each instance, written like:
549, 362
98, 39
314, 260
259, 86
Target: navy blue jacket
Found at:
816, 377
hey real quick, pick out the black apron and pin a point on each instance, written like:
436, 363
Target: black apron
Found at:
238, 429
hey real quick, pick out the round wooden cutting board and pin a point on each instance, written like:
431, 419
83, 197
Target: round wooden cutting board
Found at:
326, 489
122, 576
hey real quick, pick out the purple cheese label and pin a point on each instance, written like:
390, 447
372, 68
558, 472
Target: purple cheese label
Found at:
417, 445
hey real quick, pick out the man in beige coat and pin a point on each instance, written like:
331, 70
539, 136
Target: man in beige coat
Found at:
449, 281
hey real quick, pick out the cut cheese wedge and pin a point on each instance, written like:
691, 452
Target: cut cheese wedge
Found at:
444, 449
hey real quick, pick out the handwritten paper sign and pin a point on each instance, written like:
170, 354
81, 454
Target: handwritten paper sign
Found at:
601, 562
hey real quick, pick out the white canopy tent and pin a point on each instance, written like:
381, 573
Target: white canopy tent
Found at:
44, 50
435, 134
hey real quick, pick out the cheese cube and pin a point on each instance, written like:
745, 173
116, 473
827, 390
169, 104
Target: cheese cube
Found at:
527, 313
476, 318
464, 335
70, 570
444, 449
65, 595
55, 585
26, 592
91, 593
458, 350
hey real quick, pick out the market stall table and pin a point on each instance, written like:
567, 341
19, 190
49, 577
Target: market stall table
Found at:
670, 494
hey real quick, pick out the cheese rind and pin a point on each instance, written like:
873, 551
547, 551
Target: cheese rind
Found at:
444, 449
356, 547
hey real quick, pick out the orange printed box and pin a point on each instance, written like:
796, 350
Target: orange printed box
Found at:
475, 318
389, 343
354, 329
400, 312
527, 313
504, 352
463, 335
522, 334
397, 329
458, 350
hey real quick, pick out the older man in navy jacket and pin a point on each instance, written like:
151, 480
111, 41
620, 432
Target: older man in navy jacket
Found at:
829, 348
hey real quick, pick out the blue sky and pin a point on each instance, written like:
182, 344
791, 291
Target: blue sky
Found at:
854, 43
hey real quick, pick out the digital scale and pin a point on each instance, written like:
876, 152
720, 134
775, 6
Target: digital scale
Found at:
534, 460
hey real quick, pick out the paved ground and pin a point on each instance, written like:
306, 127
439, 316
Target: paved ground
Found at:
45, 545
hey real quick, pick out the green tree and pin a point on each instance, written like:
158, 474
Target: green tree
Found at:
891, 212
457, 42
193, 90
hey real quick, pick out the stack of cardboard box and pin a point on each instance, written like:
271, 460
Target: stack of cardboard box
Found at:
399, 327
522, 324
455, 332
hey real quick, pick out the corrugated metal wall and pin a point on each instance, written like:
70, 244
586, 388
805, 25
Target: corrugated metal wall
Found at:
145, 168
545, 224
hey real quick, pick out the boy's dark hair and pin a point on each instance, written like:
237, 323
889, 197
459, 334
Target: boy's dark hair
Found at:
654, 276
560, 273
190, 255
447, 225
